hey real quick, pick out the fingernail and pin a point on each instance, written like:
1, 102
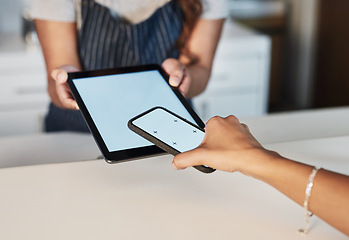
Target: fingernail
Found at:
174, 166
76, 106
61, 77
174, 81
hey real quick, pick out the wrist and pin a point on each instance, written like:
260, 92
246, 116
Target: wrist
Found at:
199, 76
52, 92
261, 164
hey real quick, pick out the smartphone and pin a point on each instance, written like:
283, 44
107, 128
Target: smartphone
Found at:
169, 131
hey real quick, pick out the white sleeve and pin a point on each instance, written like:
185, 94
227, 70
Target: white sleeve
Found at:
53, 10
215, 9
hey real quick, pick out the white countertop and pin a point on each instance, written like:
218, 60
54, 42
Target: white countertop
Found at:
43, 148
300, 125
146, 199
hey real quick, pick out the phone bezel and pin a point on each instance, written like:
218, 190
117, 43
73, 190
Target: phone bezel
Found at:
158, 142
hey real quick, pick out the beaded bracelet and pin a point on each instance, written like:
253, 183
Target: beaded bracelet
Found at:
307, 197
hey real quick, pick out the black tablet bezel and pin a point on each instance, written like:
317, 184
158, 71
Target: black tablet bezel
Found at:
132, 153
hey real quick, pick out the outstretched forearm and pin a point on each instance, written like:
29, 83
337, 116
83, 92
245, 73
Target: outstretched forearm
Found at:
202, 46
229, 146
59, 45
329, 197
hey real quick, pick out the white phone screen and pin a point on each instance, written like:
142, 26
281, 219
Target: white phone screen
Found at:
170, 129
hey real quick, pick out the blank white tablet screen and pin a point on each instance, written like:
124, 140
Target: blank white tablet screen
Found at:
113, 100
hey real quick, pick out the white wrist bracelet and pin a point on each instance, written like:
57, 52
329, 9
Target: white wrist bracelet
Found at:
307, 197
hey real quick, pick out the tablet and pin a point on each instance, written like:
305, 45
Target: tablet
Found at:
109, 98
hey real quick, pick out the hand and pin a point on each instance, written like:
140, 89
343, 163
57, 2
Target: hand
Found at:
179, 75
63, 96
228, 145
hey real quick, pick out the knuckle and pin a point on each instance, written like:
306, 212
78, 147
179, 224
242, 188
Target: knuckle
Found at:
232, 118
54, 74
214, 119
178, 72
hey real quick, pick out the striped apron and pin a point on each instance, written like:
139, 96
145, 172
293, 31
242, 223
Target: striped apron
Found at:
106, 41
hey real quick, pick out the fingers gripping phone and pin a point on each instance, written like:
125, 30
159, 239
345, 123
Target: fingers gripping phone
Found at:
168, 131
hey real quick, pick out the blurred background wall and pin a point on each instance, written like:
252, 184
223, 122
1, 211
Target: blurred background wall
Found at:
309, 53
11, 24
